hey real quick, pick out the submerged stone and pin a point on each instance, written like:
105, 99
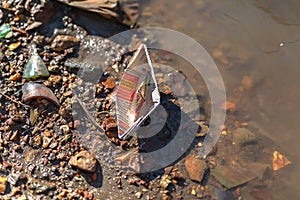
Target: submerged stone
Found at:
236, 174
35, 68
195, 168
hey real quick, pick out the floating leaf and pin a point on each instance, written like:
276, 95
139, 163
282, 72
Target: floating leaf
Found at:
279, 161
4, 30
35, 68
34, 114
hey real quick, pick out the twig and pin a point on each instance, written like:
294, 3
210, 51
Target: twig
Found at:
103, 112
17, 102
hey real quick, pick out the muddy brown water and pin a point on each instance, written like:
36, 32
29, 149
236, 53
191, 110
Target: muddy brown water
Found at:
259, 39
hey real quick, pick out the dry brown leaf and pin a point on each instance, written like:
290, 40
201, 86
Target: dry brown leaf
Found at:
279, 161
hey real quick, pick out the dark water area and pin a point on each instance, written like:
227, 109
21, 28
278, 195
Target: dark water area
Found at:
259, 39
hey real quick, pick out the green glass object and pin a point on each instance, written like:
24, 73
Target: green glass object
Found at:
4, 30
35, 68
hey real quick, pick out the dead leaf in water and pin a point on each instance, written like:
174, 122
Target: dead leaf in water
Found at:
279, 161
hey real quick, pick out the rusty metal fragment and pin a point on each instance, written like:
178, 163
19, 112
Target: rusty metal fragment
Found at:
33, 90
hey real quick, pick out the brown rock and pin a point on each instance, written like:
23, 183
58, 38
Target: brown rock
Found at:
33, 25
243, 136
279, 161
15, 77
109, 83
10, 122
195, 168
46, 142
85, 161
110, 124
68, 93
37, 140
14, 135
76, 124
62, 42
166, 90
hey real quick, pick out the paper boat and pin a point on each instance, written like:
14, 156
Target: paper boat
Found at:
137, 95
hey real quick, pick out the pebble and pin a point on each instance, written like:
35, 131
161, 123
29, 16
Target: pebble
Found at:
3, 181
55, 79
52, 157
37, 140
14, 46
15, 135
195, 168
53, 68
139, 195
85, 161
62, 42
13, 178
261, 194
46, 142
279, 161
15, 77
229, 106
165, 181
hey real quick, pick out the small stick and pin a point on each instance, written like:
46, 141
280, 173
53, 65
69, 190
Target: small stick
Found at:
103, 112
18, 30
17, 102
